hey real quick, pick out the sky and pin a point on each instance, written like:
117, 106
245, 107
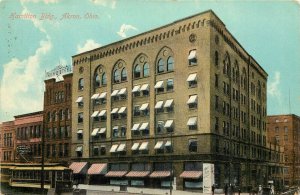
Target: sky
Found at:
32, 44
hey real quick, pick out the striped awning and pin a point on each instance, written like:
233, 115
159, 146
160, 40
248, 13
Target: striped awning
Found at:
191, 174
160, 174
77, 167
138, 174
115, 173
98, 168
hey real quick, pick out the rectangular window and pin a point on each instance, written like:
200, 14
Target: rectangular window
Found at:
216, 80
193, 144
136, 110
123, 131
216, 103
116, 131
192, 57
80, 117
170, 85
96, 151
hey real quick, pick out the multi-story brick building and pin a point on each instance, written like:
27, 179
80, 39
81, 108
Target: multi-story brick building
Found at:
28, 129
7, 142
155, 107
57, 115
285, 131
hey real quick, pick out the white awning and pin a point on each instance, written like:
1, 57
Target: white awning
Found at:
168, 124
95, 96
135, 127
159, 84
144, 146
80, 131
95, 131
122, 110
145, 87
122, 91
144, 126
121, 148
192, 55
116, 127
159, 104
114, 93
158, 145
192, 99
135, 146
115, 110
102, 113
102, 95
192, 77
168, 143
136, 88
113, 148
95, 113
168, 103
102, 130
79, 99
79, 149
144, 106
192, 121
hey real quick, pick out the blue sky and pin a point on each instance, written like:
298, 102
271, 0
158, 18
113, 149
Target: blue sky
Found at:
268, 30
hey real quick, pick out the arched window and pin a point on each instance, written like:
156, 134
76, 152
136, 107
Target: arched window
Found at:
104, 80
137, 71
146, 70
97, 80
80, 84
170, 64
216, 58
124, 75
160, 66
116, 76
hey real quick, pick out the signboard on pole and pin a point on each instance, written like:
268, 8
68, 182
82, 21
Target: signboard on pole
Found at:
208, 177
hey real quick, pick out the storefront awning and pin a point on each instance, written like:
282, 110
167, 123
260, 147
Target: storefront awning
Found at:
160, 174
97, 169
77, 167
115, 173
191, 174
138, 174
136, 88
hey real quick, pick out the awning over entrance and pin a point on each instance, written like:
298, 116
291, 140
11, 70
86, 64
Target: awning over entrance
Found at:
77, 167
98, 168
138, 174
191, 174
115, 173
160, 174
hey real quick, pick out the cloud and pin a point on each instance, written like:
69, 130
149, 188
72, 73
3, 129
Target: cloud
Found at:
38, 1
124, 28
89, 45
105, 3
273, 86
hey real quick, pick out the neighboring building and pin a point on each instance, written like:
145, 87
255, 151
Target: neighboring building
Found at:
284, 130
157, 106
7, 142
57, 115
28, 130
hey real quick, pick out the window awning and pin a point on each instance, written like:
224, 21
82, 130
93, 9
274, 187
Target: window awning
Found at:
192, 121
97, 169
168, 144
122, 110
79, 99
95, 96
160, 174
191, 174
192, 99
114, 93
159, 104
145, 87
138, 174
144, 106
79, 149
95, 113
158, 145
77, 167
121, 148
169, 123
168, 103
192, 55
102, 113
136, 88
113, 148
115, 173
135, 146
122, 91
144, 146
192, 77
159, 84
135, 127
80, 131
95, 131
144, 126
116, 127
102, 130
102, 95
115, 110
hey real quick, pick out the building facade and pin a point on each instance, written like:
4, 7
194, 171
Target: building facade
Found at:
57, 115
155, 108
7, 142
28, 130
284, 130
